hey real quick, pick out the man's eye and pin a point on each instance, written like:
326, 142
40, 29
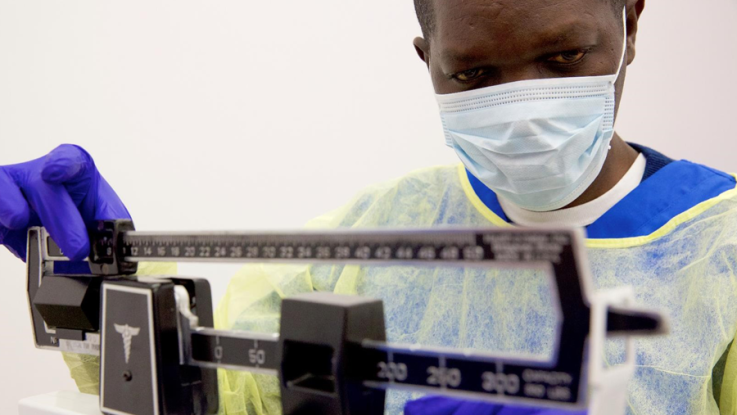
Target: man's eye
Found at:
469, 75
568, 57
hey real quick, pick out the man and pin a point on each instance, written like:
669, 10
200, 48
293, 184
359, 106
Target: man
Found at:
528, 91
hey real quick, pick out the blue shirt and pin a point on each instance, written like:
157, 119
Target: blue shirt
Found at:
668, 188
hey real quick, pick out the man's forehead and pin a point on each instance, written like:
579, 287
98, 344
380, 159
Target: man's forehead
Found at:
453, 17
514, 8
464, 28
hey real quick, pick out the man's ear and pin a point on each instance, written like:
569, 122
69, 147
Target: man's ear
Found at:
422, 47
634, 11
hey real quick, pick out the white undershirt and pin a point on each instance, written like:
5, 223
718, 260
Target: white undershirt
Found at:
583, 215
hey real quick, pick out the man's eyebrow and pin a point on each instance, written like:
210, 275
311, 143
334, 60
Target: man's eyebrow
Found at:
572, 33
552, 40
459, 56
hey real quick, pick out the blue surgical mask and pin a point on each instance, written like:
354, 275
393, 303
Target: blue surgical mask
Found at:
536, 143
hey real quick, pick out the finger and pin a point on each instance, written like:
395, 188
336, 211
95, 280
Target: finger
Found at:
109, 205
60, 217
66, 164
14, 210
74, 167
15, 241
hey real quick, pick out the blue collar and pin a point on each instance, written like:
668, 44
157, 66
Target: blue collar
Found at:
668, 189
655, 160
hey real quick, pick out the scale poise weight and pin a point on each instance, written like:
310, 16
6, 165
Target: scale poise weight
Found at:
330, 355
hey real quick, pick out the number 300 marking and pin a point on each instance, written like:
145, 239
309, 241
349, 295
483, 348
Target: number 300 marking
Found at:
500, 383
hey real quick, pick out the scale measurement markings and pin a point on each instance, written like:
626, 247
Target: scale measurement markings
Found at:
377, 364
292, 252
455, 246
378, 367
396, 368
235, 351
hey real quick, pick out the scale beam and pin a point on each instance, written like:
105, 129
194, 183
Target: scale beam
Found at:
254, 352
331, 353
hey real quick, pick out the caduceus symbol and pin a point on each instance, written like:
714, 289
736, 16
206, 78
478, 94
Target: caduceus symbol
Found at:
127, 332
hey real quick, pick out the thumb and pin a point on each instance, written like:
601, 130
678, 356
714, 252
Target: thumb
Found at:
72, 168
66, 163
60, 216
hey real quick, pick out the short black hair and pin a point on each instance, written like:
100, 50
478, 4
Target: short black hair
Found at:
426, 14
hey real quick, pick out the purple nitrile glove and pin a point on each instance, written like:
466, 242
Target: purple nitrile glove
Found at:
62, 191
435, 405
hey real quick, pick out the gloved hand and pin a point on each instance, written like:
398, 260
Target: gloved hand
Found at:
435, 405
62, 191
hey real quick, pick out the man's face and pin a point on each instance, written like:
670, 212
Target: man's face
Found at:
479, 43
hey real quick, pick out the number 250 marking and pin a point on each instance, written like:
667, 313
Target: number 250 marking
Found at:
392, 371
443, 377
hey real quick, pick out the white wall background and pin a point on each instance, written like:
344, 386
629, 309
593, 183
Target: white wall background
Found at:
255, 115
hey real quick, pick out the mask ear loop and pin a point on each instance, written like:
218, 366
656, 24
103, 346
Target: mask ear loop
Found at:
624, 46
624, 53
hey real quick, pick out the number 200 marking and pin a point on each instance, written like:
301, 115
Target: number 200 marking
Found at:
392, 371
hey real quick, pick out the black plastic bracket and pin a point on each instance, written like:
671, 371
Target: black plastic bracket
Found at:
317, 331
105, 238
140, 370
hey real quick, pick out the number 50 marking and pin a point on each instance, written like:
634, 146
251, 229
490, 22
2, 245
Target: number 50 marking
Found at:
257, 357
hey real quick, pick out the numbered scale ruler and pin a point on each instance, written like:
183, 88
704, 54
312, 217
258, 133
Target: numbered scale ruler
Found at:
383, 366
459, 374
366, 248
560, 381
380, 365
